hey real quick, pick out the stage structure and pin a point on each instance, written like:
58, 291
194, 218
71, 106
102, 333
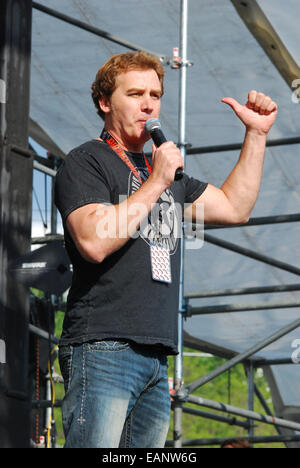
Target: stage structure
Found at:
287, 427
15, 218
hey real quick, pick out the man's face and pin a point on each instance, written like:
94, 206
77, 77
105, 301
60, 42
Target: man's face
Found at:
135, 100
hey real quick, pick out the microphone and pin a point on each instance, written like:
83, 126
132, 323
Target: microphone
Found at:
153, 126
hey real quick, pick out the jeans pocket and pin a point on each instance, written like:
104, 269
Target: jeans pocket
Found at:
108, 345
65, 355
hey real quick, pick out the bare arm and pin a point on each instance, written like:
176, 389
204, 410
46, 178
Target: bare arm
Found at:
234, 201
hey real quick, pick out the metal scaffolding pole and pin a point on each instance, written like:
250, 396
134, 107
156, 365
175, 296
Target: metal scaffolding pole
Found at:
260, 221
238, 146
265, 405
252, 440
273, 362
43, 334
243, 356
42, 168
250, 376
94, 30
225, 308
216, 417
251, 254
244, 413
243, 291
178, 371
15, 218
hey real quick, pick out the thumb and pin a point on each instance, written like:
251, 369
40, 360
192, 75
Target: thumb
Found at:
236, 106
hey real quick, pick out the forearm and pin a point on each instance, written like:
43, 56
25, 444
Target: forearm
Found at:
234, 201
243, 184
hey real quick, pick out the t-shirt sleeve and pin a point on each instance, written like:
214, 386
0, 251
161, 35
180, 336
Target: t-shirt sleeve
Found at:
80, 181
193, 188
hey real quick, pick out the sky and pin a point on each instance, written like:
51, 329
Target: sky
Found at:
41, 199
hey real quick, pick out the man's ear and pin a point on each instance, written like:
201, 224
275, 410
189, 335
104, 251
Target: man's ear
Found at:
104, 104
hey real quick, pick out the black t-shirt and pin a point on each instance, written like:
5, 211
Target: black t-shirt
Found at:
118, 298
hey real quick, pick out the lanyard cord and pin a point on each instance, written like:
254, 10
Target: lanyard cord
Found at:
114, 145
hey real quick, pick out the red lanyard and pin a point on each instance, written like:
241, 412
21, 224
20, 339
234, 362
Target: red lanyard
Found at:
114, 145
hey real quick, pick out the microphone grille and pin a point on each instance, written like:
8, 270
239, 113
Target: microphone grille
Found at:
152, 124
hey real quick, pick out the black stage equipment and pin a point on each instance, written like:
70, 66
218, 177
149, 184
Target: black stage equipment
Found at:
48, 269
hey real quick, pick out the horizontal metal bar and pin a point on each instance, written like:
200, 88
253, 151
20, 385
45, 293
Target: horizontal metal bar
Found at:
190, 150
225, 308
244, 413
47, 239
215, 417
46, 404
16, 394
220, 441
244, 291
46, 170
39, 163
237, 146
96, 31
243, 356
259, 221
42, 333
27, 153
251, 254
273, 362
44, 161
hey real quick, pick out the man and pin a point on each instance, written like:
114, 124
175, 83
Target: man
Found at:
120, 212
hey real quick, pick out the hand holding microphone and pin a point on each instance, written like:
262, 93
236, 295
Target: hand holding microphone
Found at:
153, 127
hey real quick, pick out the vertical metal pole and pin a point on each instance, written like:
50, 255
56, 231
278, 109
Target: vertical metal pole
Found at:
250, 375
53, 207
178, 377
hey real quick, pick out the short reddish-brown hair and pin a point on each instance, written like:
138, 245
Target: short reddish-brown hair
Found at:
235, 443
105, 81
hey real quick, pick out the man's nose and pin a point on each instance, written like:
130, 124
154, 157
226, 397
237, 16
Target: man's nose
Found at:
147, 103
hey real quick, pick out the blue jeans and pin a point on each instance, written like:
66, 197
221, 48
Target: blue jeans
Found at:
117, 395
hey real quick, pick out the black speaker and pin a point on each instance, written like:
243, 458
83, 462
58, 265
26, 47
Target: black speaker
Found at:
48, 269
